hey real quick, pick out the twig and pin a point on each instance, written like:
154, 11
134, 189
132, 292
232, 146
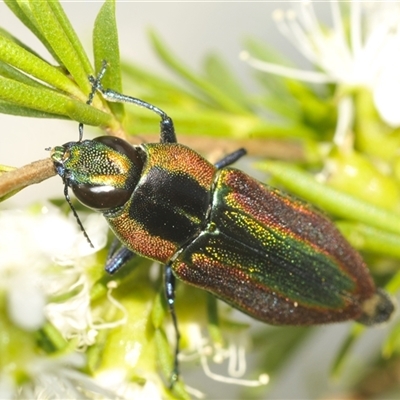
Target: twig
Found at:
27, 175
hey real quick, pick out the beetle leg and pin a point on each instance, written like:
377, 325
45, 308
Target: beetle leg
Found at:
117, 258
169, 282
113, 248
230, 158
95, 83
167, 130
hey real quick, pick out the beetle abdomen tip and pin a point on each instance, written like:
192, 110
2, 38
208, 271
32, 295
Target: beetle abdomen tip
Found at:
377, 309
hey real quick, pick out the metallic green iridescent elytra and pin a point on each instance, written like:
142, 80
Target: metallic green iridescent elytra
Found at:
265, 253
278, 259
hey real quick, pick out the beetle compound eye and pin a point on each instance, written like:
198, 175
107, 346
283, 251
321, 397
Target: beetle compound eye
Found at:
122, 147
101, 197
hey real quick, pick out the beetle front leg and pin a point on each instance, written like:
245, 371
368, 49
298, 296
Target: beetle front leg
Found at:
167, 130
169, 282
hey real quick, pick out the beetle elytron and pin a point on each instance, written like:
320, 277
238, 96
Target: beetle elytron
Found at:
263, 252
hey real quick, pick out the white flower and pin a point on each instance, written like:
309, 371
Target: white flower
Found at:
118, 381
370, 57
41, 257
60, 378
235, 355
43, 278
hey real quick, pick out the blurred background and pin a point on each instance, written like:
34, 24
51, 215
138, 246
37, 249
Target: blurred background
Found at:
190, 29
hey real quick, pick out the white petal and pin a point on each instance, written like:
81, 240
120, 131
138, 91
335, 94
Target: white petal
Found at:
26, 303
387, 95
7, 387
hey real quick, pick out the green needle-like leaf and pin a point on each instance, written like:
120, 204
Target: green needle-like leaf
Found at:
106, 47
70, 33
392, 343
14, 109
22, 11
217, 96
42, 99
221, 76
18, 57
365, 237
331, 200
50, 101
343, 353
8, 71
393, 286
9, 36
63, 40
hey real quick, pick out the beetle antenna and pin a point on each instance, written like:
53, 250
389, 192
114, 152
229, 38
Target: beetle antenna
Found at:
95, 83
166, 124
66, 195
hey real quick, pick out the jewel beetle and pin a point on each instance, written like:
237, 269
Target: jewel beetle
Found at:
265, 253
